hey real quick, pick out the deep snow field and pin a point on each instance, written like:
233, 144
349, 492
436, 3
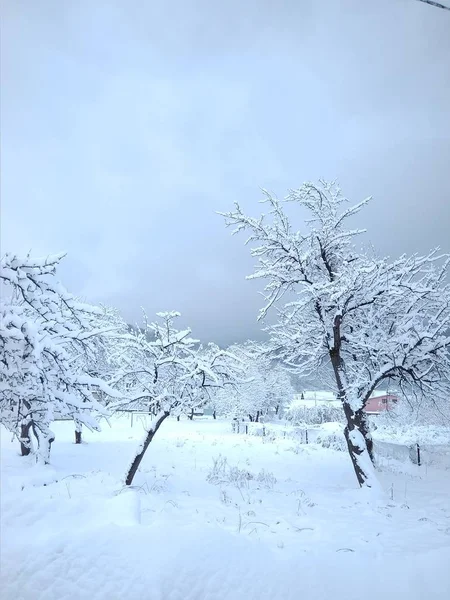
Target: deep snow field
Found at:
275, 521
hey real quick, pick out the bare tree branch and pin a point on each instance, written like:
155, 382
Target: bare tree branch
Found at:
437, 4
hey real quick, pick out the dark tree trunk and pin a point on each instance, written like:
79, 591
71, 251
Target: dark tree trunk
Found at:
191, 416
178, 418
140, 455
365, 430
359, 442
50, 442
25, 441
79, 429
257, 416
251, 418
277, 408
214, 415
356, 431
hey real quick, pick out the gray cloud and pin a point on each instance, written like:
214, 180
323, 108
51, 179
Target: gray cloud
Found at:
125, 126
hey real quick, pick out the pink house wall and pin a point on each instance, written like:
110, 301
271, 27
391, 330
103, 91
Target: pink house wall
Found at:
381, 403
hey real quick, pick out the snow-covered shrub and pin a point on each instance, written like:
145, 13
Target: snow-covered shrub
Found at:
266, 478
222, 473
334, 441
303, 501
262, 393
300, 414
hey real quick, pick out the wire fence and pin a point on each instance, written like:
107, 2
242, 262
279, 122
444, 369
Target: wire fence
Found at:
428, 455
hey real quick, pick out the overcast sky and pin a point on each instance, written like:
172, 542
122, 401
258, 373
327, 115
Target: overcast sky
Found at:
126, 125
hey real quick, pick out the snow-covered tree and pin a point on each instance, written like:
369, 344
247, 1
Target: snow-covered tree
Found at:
245, 400
248, 400
268, 387
369, 319
45, 341
104, 359
221, 402
264, 391
167, 372
279, 388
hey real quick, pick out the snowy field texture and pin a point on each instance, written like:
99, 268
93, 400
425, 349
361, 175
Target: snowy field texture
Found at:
216, 516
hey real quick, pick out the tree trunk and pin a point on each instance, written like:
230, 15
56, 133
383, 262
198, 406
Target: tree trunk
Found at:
191, 416
45, 438
214, 415
25, 440
277, 408
78, 429
143, 447
358, 444
257, 416
356, 431
251, 418
365, 430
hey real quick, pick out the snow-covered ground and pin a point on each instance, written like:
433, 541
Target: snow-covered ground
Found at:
274, 520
